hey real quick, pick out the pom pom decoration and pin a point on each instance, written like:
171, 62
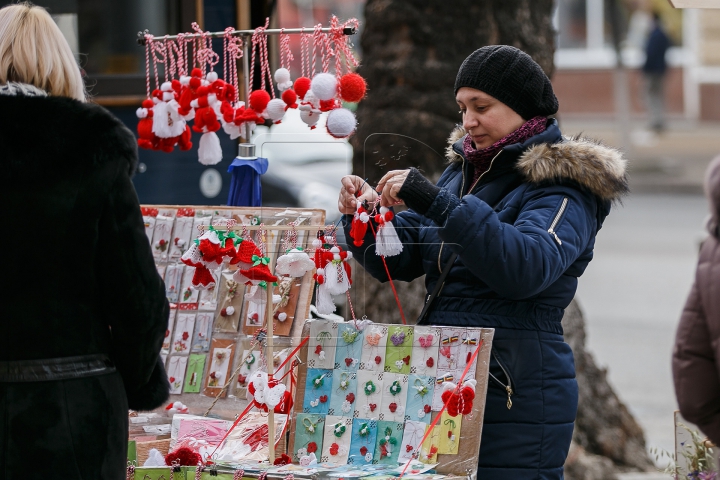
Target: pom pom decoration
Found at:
259, 100
301, 87
352, 87
275, 110
146, 138
209, 151
282, 77
176, 407
324, 86
459, 400
183, 456
341, 123
290, 98
333, 276
387, 242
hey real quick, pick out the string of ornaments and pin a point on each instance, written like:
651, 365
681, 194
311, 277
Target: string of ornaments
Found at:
192, 91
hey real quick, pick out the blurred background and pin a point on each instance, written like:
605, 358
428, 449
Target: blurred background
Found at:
633, 292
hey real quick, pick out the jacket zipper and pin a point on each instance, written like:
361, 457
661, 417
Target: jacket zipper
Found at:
462, 188
559, 215
508, 388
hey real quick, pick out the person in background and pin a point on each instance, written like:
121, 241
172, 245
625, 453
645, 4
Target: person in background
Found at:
654, 71
84, 309
696, 356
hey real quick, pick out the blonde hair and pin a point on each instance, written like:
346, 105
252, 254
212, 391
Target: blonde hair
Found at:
33, 50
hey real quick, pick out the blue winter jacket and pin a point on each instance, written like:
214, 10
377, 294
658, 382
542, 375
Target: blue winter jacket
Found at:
524, 235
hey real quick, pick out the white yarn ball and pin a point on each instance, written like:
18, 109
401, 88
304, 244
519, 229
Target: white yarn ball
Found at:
230, 310
341, 123
282, 78
275, 109
324, 85
212, 76
282, 316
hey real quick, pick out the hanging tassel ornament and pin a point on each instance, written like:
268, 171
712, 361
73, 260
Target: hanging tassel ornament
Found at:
387, 242
359, 225
337, 272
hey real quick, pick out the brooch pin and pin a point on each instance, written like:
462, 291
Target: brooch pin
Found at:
395, 388
369, 387
339, 430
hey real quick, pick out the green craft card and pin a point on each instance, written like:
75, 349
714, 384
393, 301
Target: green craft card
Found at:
399, 349
132, 452
309, 428
155, 473
193, 377
388, 443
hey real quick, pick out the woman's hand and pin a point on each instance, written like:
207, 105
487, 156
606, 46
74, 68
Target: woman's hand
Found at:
390, 185
351, 185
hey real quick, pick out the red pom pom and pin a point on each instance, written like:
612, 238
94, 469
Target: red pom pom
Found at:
352, 87
259, 100
389, 216
378, 218
467, 394
183, 456
446, 396
327, 105
301, 87
290, 98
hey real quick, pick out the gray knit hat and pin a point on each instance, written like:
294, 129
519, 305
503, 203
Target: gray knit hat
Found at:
511, 76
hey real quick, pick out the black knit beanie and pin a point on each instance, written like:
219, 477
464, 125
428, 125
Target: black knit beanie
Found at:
511, 76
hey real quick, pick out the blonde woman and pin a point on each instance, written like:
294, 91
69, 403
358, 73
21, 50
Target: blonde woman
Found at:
84, 310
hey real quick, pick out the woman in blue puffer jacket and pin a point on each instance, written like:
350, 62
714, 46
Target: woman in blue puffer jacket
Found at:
513, 220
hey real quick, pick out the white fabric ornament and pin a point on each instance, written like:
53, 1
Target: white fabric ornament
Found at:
341, 123
336, 281
309, 115
282, 77
295, 263
324, 86
155, 459
275, 110
387, 242
209, 152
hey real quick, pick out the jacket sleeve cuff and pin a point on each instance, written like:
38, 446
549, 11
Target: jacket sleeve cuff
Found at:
418, 192
444, 203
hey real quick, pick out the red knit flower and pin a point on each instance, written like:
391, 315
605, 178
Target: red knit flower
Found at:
312, 447
283, 460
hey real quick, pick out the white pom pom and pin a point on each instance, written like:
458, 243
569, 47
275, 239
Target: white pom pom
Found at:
282, 77
341, 123
212, 76
335, 250
316, 243
209, 152
349, 256
282, 316
321, 271
275, 110
184, 80
384, 210
230, 310
324, 86
166, 87
364, 217
141, 112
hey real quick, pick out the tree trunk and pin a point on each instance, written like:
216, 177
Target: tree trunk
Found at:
412, 50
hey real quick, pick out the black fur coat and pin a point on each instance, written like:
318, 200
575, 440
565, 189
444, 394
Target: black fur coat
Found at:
79, 273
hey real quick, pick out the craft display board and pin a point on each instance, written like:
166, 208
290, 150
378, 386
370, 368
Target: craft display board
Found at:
210, 331
386, 379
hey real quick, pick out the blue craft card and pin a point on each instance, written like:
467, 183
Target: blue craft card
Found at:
344, 393
348, 350
420, 398
318, 389
362, 447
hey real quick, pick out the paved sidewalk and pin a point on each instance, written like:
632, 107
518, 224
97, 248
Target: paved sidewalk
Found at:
673, 162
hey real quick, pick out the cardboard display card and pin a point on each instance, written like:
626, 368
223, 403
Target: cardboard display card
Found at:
220, 360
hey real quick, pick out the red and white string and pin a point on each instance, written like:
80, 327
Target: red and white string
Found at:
286, 55
232, 52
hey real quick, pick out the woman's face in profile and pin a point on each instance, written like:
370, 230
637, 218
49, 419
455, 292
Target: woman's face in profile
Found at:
485, 118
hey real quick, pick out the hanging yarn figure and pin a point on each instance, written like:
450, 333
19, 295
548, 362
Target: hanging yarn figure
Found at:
387, 242
359, 225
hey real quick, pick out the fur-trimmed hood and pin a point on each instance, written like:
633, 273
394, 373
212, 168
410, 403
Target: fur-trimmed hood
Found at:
587, 162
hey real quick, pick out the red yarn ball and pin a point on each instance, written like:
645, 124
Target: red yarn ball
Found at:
352, 87
301, 87
290, 98
259, 100
183, 456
